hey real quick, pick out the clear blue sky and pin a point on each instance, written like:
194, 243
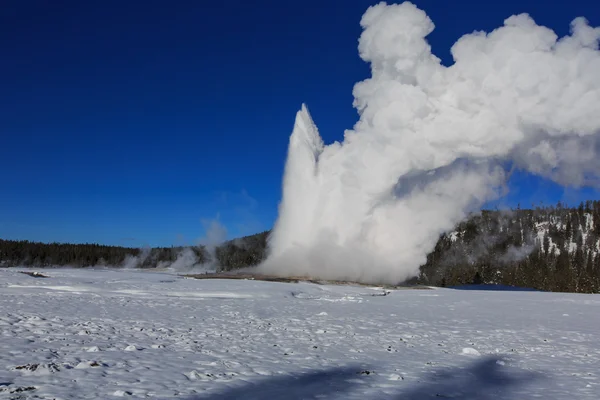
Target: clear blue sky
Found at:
127, 122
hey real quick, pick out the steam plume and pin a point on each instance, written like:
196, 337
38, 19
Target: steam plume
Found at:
188, 260
433, 142
216, 234
137, 261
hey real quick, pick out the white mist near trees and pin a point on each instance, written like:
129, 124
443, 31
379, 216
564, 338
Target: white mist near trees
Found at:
433, 142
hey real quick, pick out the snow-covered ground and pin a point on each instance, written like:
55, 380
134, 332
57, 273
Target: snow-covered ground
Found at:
85, 334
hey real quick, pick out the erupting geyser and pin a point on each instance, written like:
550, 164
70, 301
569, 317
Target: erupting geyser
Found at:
432, 142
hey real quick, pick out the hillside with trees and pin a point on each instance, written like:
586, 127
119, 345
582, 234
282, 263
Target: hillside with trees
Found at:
548, 248
553, 248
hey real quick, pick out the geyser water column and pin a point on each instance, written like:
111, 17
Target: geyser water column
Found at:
431, 140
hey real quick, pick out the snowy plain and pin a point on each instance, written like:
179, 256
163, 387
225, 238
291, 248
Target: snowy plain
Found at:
102, 334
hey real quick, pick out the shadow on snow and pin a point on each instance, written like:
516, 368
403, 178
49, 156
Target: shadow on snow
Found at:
484, 379
326, 384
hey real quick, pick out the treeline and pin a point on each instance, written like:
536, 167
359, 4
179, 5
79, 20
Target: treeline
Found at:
553, 248
35, 254
548, 248
238, 253
241, 253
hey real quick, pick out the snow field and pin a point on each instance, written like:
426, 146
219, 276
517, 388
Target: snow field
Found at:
107, 333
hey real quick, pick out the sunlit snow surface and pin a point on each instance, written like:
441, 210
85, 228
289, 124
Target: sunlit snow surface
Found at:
105, 333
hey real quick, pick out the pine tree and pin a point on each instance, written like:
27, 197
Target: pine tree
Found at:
580, 211
546, 243
589, 264
563, 275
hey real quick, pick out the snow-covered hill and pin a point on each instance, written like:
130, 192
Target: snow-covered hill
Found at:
550, 248
101, 334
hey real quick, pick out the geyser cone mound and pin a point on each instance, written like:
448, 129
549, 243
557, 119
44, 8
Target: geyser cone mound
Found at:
257, 276
433, 142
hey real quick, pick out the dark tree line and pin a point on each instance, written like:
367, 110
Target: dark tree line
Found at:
553, 248
28, 253
35, 254
238, 253
549, 248
241, 253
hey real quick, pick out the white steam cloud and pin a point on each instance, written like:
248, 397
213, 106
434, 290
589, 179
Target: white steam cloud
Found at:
216, 234
187, 259
137, 261
433, 142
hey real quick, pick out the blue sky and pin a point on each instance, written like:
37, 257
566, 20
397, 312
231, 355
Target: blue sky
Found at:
128, 122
